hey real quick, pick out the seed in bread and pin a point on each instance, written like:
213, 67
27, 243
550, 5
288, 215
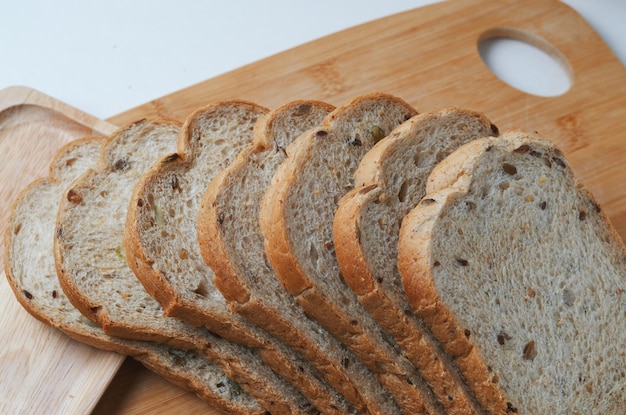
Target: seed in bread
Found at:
533, 284
390, 180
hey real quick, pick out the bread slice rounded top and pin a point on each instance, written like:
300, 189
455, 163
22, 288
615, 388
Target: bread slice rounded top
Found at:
93, 272
161, 228
299, 192
162, 249
30, 270
390, 180
89, 251
29, 239
235, 195
231, 243
296, 221
510, 255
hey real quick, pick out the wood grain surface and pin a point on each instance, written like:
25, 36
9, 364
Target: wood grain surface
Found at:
43, 371
429, 57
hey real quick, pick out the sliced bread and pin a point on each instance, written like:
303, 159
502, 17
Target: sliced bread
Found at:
231, 243
30, 270
162, 245
390, 180
89, 254
296, 221
93, 272
509, 255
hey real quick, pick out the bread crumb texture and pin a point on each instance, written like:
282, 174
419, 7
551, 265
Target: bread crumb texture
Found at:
528, 264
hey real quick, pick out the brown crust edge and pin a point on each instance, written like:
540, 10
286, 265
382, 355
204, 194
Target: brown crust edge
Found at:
358, 275
278, 247
145, 355
51, 179
346, 231
415, 265
212, 248
84, 305
138, 259
209, 234
352, 259
67, 284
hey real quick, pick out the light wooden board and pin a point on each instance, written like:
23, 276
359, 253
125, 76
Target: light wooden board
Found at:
43, 371
429, 57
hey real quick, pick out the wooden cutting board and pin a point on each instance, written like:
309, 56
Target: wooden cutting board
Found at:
42, 370
427, 56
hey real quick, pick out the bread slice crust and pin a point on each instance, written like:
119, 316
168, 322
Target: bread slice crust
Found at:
231, 243
94, 273
296, 221
124, 158
30, 270
162, 249
506, 219
390, 180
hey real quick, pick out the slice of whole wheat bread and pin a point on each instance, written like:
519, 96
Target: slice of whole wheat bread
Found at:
30, 270
509, 255
390, 180
93, 272
89, 254
162, 246
296, 220
231, 243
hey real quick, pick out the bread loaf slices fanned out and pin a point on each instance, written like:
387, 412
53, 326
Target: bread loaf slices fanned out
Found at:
390, 180
231, 243
296, 221
509, 254
29, 264
94, 274
162, 244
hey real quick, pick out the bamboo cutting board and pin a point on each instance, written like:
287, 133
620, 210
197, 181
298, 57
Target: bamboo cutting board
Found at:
427, 56
42, 370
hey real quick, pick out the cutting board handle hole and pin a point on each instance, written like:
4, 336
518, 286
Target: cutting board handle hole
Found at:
526, 62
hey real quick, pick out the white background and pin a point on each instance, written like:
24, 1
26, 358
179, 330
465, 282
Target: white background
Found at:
105, 57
